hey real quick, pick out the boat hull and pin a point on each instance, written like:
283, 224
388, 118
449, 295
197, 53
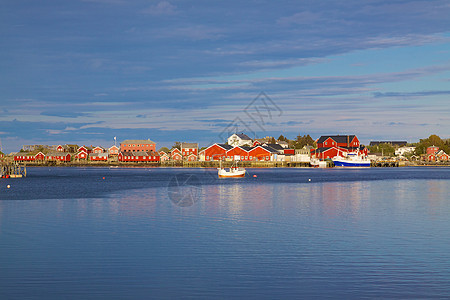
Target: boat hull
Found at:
351, 164
231, 174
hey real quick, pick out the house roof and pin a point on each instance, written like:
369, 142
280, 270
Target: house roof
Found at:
189, 145
270, 149
224, 146
138, 142
243, 136
276, 147
337, 138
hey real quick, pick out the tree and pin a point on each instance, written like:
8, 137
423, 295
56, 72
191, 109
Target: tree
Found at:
165, 149
177, 145
273, 141
303, 141
385, 149
432, 140
282, 138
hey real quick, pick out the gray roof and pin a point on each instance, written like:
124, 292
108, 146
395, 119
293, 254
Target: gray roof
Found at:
138, 142
225, 146
276, 147
189, 145
243, 136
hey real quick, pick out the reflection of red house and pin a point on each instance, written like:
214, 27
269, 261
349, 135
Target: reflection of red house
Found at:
216, 152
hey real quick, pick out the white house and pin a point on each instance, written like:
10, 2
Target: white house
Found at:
403, 150
239, 139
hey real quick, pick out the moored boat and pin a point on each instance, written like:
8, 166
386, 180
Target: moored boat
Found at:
233, 172
352, 160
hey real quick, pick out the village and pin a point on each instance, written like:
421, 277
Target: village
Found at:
238, 147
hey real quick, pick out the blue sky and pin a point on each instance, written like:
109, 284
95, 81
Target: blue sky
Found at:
84, 71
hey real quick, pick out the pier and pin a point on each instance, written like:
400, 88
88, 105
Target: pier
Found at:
12, 170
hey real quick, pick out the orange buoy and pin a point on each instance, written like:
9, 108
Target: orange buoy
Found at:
103, 177
255, 176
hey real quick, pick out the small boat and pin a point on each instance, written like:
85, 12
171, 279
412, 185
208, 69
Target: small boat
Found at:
351, 160
316, 163
233, 172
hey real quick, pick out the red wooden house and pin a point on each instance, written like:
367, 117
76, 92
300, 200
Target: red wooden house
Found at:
138, 156
188, 149
432, 149
137, 145
216, 152
191, 157
328, 146
175, 154
238, 153
98, 157
82, 154
58, 156
113, 150
98, 149
262, 153
24, 157
163, 156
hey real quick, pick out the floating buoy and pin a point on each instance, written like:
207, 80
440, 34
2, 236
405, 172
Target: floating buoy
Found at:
8, 186
255, 176
103, 177
309, 179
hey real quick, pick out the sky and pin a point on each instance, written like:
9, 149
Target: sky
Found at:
86, 71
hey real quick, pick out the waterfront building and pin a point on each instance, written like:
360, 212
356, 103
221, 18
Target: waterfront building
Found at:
138, 156
239, 139
137, 145
403, 150
187, 149
175, 154
328, 146
392, 143
98, 156
113, 150
432, 149
216, 152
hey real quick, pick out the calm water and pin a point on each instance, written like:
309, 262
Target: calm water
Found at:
72, 233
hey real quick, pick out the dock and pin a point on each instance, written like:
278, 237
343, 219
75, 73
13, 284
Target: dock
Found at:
12, 170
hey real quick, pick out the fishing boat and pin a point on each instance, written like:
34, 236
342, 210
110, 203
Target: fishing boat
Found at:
233, 172
316, 163
351, 160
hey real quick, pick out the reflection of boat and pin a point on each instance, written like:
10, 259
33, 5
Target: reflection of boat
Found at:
233, 172
351, 160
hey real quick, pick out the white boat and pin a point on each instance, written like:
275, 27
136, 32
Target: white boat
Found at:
351, 160
233, 172
316, 163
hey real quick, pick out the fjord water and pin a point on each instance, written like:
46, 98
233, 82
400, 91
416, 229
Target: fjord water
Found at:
98, 233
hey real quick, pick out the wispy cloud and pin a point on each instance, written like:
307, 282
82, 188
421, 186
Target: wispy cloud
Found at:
161, 8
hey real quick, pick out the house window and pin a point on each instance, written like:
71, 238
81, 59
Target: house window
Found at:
267, 158
246, 157
207, 157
